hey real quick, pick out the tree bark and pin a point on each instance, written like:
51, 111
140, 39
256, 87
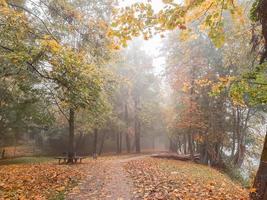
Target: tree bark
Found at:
190, 134
137, 127
95, 140
102, 143
185, 146
179, 149
260, 182
190, 145
237, 155
172, 146
120, 146
78, 142
127, 138
263, 19
137, 137
153, 143
3, 154
234, 135
71, 136
118, 142
203, 153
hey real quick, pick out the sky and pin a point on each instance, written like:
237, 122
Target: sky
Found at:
153, 45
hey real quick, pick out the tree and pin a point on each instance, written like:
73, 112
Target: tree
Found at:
67, 59
258, 78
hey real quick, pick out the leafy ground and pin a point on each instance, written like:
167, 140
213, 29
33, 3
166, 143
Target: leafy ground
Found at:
38, 178
115, 178
169, 179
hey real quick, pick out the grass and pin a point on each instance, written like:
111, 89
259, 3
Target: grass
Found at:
25, 160
43, 159
58, 196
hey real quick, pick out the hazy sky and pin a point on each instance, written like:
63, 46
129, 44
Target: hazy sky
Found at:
157, 4
152, 46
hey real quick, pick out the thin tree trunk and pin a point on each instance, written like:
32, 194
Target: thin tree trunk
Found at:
240, 148
137, 137
3, 154
15, 147
190, 146
185, 148
190, 137
172, 146
127, 138
118, 142
137, 127
120, 135
102, 143
234, 135
203, 149
78, 142
71, 136
95, 140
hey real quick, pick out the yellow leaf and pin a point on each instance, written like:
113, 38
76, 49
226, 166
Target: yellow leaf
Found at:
252, 190
60, 189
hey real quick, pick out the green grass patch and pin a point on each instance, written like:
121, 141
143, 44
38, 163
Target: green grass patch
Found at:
58, 196
25, 160
195, 171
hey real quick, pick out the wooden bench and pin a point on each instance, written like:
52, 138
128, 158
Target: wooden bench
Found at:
65, 159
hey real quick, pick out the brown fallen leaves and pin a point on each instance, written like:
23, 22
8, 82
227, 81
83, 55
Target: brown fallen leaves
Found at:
47, 179
154, 179
167, 179
37, 181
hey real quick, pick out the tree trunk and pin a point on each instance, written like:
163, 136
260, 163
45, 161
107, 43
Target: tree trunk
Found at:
173, 147
190, 137
260, 182
102, 143
137, 136
118, 142
95, 141
263, 15
15, 147
137, 127
127, 138
234, 134
120, 147
78, 142
203, 153
190, 146
179, 150
185, 148
238, 133
71, 136
3, 154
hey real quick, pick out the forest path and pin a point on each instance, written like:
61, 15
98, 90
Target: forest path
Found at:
106, 180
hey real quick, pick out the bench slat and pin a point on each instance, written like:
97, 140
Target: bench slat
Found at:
75, 159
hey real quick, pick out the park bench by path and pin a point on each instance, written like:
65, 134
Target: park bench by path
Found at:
65, 159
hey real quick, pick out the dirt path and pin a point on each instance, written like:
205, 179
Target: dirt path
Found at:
106, 180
